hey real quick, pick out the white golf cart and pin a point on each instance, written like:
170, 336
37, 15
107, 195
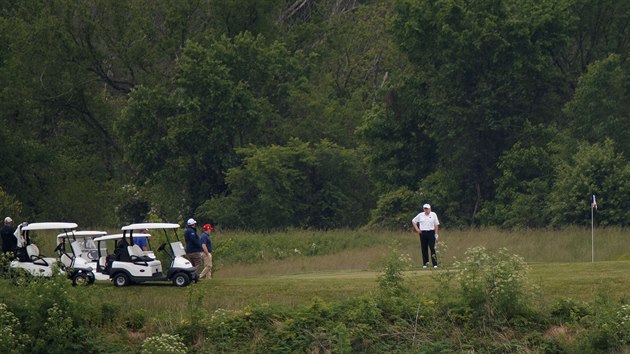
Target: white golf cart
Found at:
30, 259
129, 264
80, 244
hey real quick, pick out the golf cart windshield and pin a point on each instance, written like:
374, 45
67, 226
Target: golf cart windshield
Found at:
82, 243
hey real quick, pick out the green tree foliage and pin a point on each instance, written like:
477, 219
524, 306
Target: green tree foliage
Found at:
226, 96
488, 70
233, 17
394, 210
399, 151
527, 175
594, 169
298, 185
439, 97
600, 108
9, 206
354, 58
597, 29
66, 71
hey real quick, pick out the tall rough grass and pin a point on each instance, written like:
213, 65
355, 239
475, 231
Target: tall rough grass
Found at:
305, 251
239, 254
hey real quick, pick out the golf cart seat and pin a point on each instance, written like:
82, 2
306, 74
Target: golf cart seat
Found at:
122, 253
102, 264
32, 251
66, 260
33, 255
21, 254
136, 254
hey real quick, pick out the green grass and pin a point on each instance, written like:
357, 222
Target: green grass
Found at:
298, 269
560, 265
579, 281
302, 275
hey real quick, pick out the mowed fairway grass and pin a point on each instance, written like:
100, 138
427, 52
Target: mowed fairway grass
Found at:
578, 281
560, 266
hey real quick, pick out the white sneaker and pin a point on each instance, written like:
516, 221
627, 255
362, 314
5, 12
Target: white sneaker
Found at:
434, 266
424, 266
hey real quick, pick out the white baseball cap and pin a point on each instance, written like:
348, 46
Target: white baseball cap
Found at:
191, 221
7, 220
426, 206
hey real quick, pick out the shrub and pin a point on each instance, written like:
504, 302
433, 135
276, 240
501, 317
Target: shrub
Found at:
57, 335
394, 210
569, 310
607, 326
11, 338
163, 344
493, 286
391, 281
321, 186
5, 265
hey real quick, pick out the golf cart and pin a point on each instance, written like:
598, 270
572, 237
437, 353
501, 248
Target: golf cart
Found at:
30, 259
129, 264
80, 244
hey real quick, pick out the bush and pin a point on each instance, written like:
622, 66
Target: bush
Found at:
493, 286
391, 281
163, 344
58, 334
394, 210
5, 265
569, 310
321, 186
11, 338
608, 326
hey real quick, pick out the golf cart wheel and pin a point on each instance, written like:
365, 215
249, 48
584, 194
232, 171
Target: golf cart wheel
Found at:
181, 279
121, 280
80, 279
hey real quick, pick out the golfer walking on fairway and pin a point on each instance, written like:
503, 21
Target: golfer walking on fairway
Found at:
426, 225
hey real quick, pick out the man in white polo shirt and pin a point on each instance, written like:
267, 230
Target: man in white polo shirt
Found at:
426, 225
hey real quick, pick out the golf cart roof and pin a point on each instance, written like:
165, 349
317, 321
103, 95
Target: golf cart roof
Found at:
118, 237
150, 225
83, 234
50, 226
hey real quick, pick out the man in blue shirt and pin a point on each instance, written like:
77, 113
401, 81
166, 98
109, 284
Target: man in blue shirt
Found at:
193, 244
206, 247
141, 241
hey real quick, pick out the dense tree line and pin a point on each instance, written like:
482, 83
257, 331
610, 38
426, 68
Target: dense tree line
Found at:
315, 113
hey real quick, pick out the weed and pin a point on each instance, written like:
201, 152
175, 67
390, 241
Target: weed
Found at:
12, 340
135, 319
608, 326
569, 310
58, 332
391, 280
163, 344
493, 285
192, 329
5, 261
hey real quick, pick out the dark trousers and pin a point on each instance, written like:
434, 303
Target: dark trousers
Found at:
195, 259
427, 242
